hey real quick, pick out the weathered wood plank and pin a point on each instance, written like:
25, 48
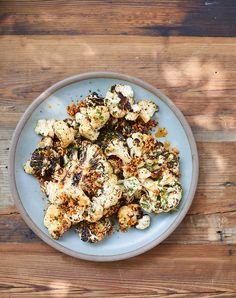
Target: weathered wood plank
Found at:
159, 18
167, 270
219, 228
42, 42
197, 74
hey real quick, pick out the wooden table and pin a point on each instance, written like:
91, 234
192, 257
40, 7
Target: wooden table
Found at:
185, 48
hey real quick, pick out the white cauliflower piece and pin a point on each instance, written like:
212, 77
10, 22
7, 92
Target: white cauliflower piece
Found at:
56, 221
91, 120
151, 185
170, 198
131, 185
134, 113
46, 142
168, 178
45, 127
111, 192
57, 193
86, 130
119, 100
147, 109
64, 133
126, 90
27, 168
149, 202
143, 173
98, 116
117, 147
95, 211
143, 223
129, 215
136, 143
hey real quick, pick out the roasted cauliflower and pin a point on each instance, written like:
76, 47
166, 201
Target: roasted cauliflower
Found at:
102, 165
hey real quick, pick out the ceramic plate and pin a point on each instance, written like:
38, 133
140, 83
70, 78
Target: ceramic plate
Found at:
25, 188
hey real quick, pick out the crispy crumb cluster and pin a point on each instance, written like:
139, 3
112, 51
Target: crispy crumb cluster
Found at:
102, 163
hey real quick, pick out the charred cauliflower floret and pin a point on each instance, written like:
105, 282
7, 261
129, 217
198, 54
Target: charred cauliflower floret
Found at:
119, 100
134, 113
64, 133
45, 128
56, 221
143, 223
98, 116
128, 216
147, 109
43, 163
136, 143
93, 100
94, 232
118, 148
81, 177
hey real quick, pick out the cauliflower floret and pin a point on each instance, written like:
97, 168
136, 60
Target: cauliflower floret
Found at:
117, 147
170, 198
128, 216
126, 90
143, 173
45, 127
91, 120
44, 163
136, 143
93, 232
64, 133
167, 199
168, 178
98, 116
58, 193
149, 202
134, 113
86, 130
119, 100
151, 185
46, 142
143, 222
147, 109
94, 100
75, 214
131, 185
95, 211
111, 192
27, 168
56, 221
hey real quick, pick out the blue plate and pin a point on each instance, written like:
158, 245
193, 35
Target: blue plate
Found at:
26, 191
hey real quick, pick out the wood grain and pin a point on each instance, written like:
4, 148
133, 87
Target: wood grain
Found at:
157, 18
188, 70
179, 47
166, 271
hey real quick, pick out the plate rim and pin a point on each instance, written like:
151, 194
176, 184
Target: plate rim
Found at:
94, 75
